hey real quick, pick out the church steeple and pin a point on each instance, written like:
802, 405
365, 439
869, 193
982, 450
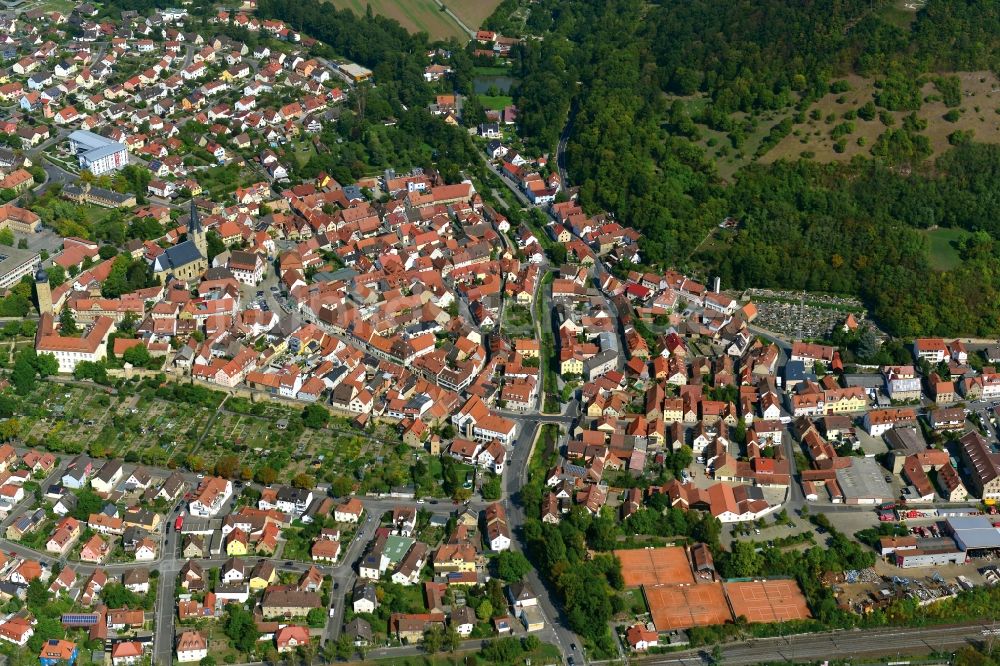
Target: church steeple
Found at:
195, 232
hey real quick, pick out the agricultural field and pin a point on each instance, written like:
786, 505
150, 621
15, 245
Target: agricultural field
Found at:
473, 12
418, 15
813, 138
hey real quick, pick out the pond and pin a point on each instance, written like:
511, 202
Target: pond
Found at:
482, 84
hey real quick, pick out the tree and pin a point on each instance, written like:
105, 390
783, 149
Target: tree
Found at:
46, 364
744, 561
37, 595
433, 639
9, 429
303, 480
57, 275
512, 566
87, 502
7, 237
452, 640
341, 485
315, 416
485, 610
502, 650
116, 595
240, 627
67, 323
214, 244
227, 467
138, 355
266, 475
23, 374
207, 661
492, 488
316, 617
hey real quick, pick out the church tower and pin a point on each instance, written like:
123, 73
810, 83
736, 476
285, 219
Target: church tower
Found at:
196, 233
43, 291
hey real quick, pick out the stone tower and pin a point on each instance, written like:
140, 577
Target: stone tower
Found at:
196, 232
43, 291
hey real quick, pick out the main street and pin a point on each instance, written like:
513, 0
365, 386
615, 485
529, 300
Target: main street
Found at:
556, 627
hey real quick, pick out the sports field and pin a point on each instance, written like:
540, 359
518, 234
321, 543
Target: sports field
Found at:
655, 566
768, 600
685, 606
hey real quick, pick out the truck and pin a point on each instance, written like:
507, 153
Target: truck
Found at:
179, 523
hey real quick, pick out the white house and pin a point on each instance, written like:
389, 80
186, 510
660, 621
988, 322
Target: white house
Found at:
212, 495
191, 646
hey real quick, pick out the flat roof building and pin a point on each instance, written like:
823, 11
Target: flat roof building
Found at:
974, 532
863, 482
96, 153
15, 264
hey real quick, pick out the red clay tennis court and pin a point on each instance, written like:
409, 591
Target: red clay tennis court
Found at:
685, 606
655, 566
768, 600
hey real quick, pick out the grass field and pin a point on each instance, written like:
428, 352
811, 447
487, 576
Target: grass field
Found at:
418, 15
498, 102
943, 251
980, 103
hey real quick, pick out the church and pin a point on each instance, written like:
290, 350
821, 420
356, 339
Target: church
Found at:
187, 260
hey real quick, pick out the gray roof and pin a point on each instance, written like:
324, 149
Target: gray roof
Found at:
109, 470
795, 371
864, 479
359, 628
974, 532
177, 256
906, 441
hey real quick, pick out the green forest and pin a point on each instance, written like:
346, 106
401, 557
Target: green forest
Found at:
617, 70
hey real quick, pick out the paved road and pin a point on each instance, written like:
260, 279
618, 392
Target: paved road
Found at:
163, 640
556, 628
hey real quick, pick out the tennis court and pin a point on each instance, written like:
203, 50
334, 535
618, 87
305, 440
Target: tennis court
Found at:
685, 606
768, 600
655, 566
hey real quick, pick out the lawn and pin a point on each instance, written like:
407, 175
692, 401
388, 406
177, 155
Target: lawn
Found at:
497, 102
491, 71
302, 157
944, 247
414, 15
